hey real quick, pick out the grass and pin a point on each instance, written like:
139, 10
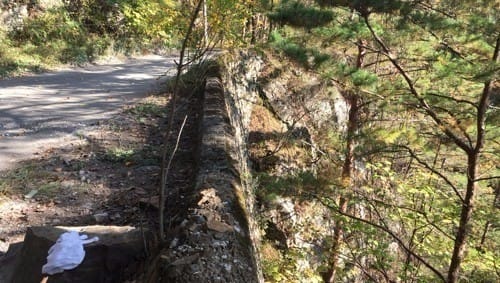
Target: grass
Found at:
26, 178
147, 109
15, 60
119, 154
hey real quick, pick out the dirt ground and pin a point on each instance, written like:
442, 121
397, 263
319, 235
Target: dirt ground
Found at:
109, 176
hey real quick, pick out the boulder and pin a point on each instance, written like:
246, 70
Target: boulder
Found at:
116, 257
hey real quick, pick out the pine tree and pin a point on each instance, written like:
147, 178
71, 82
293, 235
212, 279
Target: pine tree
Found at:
438, 62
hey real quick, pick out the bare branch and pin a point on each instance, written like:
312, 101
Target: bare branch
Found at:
453, 99
434, 171
417, 211
486, 178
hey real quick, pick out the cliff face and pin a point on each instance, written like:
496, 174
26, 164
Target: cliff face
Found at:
281, 116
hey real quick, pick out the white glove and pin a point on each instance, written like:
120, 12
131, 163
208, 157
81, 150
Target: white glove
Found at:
67, 253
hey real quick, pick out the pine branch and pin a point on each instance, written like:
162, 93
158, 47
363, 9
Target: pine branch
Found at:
422, 102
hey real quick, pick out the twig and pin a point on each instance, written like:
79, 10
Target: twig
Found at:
180, 67
165, 172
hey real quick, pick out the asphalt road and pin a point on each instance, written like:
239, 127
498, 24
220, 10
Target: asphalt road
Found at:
39, 111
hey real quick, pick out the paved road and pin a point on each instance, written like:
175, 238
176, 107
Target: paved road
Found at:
41, 110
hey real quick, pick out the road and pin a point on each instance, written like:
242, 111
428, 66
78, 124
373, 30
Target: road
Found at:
42, 110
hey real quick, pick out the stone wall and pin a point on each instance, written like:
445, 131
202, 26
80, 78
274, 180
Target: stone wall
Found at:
220, 237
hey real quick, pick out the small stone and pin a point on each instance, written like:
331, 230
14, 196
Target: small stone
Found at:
66, 161
185, 260
228, 267
221, 244
4, 246
219, 236
193, 227
101, 217
237, 229
31, 194
184, 223
174, 243
115, 216
195, 268
219, 226
199, 219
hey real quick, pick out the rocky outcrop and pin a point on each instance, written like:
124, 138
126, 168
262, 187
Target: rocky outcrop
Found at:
295, 110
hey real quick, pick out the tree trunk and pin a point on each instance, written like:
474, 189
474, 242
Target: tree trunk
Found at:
347, 181
472, 167
464, 224
354, 101
205, 22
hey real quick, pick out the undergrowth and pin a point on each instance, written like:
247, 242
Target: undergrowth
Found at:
82, 32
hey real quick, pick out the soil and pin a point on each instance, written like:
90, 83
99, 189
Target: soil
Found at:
109, 176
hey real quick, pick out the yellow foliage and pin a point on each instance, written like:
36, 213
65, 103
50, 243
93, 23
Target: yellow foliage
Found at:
167, 3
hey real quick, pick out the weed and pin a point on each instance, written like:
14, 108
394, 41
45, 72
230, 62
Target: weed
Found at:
147, 109
24, 178
50, 189
118, 154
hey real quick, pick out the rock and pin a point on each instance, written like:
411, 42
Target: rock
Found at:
4, 246
9, 260
116, 257
101, 217
219, 226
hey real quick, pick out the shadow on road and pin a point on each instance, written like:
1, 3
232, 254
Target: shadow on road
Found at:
38, 111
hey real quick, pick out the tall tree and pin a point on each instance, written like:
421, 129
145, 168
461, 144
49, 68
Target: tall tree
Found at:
440, 62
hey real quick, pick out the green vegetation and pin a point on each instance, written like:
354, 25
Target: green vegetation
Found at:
81, 32
411, 181
26, 178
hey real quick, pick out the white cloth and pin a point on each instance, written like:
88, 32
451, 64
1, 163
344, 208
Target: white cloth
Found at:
67, 253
